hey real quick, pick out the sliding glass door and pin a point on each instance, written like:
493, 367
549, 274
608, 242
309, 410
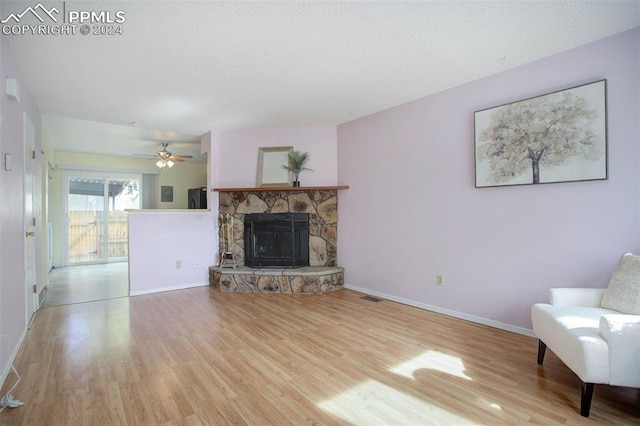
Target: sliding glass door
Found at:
96, 218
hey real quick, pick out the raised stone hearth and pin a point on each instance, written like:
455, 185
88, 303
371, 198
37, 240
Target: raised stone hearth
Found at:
309, 280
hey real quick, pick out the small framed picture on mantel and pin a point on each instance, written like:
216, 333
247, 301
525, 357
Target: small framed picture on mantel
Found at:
271, 172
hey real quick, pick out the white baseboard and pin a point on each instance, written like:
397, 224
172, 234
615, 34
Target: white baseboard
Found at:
444, 311
170, 288
12, 358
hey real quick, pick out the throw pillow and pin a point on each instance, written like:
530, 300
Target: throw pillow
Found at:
623, 293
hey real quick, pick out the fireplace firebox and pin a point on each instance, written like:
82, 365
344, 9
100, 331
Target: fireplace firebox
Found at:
276, 240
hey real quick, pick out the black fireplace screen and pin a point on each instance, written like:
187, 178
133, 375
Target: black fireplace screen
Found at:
278, 240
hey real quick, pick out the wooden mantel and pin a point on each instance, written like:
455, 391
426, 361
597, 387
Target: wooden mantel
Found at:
282, 188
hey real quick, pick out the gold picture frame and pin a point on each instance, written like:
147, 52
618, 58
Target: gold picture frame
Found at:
270, 170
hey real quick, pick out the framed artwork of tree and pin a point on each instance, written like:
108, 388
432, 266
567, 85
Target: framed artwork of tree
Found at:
557, 137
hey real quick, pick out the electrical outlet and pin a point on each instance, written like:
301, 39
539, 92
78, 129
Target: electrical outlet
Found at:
178, 264
440, 280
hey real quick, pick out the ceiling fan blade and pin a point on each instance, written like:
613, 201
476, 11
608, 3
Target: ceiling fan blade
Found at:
181, 156
176, 160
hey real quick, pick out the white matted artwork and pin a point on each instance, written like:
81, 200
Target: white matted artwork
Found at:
557, 137
270, 170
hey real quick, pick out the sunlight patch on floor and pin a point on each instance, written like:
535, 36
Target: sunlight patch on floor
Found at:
374, 403
432, 360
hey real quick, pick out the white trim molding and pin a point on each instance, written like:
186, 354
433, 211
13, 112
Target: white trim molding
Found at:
12, 358
444, 311
169, 288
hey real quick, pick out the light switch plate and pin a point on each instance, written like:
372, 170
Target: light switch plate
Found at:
12, 89
8, 162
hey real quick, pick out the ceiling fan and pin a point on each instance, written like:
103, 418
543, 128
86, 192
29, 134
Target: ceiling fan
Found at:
166, 159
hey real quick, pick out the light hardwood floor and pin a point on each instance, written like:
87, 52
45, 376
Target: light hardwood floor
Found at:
198, 356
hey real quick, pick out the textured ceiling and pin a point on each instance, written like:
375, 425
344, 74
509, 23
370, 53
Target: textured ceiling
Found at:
190, 67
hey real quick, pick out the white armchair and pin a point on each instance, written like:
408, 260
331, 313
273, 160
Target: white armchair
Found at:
595, 332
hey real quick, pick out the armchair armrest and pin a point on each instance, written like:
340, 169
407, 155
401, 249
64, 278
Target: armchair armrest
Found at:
622, 333
576, 296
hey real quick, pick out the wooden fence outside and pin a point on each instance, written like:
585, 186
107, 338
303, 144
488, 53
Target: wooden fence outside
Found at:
87, 237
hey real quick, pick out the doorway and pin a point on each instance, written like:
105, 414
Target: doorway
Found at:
96, 225
96, 237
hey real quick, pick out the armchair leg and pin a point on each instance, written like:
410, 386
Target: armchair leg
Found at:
585, 399
542, 347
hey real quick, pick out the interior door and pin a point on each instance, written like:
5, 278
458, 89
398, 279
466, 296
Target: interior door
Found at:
30, 217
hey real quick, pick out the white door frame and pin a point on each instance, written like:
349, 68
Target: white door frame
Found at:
30, 219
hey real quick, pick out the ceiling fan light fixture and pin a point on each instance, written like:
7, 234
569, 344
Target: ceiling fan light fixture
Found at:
167, 159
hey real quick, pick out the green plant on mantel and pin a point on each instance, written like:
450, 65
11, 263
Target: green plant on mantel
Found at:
297, 160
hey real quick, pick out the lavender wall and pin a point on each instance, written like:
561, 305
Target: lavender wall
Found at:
238, 151
159, 238
233, 156
12, 228
412, 210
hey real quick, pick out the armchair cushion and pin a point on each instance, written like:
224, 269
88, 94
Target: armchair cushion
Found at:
623, 294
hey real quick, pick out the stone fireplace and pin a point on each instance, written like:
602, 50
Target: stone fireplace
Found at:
321, 206
315, 208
